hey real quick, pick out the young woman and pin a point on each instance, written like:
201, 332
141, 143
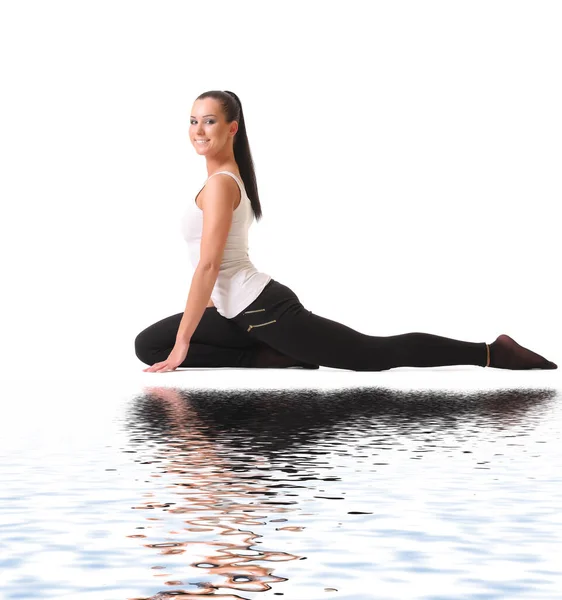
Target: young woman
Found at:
237, 316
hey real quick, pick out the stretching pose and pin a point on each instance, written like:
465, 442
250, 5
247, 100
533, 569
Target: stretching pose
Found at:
237, 316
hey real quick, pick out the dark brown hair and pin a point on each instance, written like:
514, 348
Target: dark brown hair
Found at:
232, 110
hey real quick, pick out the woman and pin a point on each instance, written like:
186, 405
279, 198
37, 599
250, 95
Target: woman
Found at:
237, 316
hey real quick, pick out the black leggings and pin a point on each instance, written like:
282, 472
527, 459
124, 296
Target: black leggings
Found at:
276, 318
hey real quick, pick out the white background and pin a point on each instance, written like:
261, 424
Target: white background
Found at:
407, 155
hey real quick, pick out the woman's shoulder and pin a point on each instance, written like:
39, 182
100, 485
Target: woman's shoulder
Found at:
234, 172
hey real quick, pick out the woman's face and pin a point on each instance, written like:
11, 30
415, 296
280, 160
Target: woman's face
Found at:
207, 123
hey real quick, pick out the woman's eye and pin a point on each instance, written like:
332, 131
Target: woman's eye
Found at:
210, 121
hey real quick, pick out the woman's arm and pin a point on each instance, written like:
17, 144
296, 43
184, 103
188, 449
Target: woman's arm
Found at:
218, 198
202, 285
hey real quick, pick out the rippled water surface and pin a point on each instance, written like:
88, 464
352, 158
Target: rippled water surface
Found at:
352, 493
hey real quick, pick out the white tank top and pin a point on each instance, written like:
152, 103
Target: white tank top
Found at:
238, 283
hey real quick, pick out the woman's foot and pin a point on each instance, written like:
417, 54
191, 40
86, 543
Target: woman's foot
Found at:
506, 353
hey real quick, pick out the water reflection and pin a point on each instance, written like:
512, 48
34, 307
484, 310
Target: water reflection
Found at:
238, 461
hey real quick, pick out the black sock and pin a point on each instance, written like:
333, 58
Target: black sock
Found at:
506, 353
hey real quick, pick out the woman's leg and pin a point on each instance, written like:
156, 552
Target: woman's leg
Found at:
278, 319
217, 342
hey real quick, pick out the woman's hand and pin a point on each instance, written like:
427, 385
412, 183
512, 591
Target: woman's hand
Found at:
176, 357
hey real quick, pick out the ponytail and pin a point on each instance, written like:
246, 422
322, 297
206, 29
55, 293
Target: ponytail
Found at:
232, 109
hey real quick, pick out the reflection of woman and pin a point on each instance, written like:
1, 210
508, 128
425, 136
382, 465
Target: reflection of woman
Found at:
213, 497
238, 316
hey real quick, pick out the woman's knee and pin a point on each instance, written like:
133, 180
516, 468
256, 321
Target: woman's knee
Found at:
376, 356
142, 347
